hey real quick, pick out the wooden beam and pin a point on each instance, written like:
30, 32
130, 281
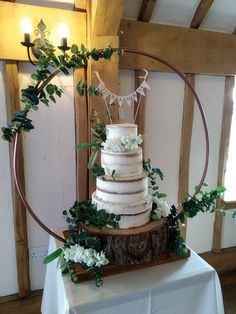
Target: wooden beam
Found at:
146, 10
201, 13
81, 131
186, 136
80, 5
105, 68
191, 50
223, 154
11, 15
145, 14
20, 223
106, 16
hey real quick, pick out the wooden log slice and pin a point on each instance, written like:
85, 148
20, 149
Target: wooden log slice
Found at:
131, 246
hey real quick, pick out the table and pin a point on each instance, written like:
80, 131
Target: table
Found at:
188, 286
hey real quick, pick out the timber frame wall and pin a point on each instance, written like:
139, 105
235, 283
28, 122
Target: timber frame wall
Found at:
101, 23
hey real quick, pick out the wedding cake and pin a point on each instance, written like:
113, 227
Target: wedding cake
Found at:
123, 190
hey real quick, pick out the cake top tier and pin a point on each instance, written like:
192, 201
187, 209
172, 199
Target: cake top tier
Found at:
114, 131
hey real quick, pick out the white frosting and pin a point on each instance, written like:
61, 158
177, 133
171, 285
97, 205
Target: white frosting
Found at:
128, 190
132, 215
119, 130
125, 164
127, 195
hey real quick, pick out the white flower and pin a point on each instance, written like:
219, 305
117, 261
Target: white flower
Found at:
124, 144
162, 210
89, 257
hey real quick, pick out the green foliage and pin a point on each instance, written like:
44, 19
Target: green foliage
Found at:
153, 175
87, 212
43, 91
202, 202
98, 136
98, 171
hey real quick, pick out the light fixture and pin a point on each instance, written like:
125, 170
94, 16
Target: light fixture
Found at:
63, 33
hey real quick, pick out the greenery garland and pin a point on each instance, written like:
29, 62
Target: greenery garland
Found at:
48, 66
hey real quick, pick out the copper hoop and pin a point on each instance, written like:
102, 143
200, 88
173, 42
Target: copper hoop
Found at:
137, 52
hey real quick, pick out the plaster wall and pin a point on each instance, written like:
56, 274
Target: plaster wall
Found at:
162, 144
49, 157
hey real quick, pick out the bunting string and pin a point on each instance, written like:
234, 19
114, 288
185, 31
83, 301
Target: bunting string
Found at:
107, 94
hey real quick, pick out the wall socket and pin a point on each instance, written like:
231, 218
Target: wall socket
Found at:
37, 254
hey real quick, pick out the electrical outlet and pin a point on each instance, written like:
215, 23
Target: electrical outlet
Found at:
37, 254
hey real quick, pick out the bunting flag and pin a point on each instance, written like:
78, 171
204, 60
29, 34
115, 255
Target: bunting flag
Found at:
121, 99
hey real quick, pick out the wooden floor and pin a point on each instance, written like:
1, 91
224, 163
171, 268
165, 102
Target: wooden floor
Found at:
31, 305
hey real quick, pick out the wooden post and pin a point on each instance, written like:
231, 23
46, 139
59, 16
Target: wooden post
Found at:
187, 119
101, 36
186, 135
223, 154
20, 223
145, 13
81, 129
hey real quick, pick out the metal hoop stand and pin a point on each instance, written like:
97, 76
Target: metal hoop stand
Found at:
133, 51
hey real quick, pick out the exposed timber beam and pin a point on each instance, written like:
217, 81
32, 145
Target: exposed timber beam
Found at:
20, 223
97, 12
186, 136
201, 13
146, 10
81, 135
187, 123
223, 154
145, 14
191, 50
80, 5
106, 16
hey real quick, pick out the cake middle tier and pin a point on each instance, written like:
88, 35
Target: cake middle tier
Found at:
132, 215
122, 190
125, 164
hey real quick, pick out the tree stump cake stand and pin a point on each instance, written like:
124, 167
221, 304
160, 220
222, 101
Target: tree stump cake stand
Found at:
130, 249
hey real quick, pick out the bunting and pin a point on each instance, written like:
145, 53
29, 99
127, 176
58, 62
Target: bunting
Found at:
121, 99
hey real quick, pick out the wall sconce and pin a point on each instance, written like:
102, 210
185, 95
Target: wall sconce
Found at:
41, 41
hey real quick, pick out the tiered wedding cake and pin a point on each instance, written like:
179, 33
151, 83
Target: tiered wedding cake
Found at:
124, 188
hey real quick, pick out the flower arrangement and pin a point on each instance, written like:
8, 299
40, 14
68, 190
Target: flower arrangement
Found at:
124, 144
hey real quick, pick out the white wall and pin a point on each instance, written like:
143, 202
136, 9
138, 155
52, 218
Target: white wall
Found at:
162, 141
49, 157
8, 275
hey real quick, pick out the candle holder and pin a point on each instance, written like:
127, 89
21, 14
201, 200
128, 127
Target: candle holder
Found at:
38, 43
63, 46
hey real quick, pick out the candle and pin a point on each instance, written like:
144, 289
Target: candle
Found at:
63, 33
27, 29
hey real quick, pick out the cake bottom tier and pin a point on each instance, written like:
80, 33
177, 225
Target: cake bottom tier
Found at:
132, 214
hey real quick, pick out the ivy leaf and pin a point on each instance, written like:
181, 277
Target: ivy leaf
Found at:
52, 256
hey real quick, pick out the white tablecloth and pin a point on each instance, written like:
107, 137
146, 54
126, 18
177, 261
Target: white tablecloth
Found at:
188, 286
